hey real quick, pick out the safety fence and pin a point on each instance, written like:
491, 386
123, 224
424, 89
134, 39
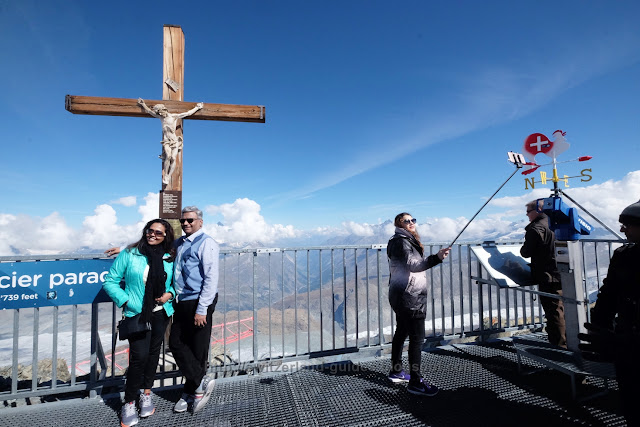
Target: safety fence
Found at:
275, 306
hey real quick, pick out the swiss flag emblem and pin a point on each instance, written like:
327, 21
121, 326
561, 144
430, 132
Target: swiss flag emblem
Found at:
537, 143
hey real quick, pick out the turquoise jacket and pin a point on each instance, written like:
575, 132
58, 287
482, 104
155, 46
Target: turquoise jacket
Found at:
131, 265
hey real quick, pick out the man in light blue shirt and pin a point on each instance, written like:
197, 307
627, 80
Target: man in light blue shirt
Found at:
196, 284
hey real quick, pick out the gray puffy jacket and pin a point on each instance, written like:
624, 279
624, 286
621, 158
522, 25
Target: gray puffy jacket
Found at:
407, 274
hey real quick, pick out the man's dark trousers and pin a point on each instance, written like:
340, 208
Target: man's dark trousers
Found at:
190, 344
554, 312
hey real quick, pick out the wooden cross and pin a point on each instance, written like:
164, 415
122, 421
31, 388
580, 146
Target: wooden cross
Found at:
172, 98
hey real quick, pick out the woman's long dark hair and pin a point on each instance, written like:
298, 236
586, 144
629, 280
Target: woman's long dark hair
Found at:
167, 243
398, 223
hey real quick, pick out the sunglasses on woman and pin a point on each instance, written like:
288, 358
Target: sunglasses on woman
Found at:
409, 221
158, 233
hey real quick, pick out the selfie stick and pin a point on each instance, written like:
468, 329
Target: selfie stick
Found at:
518, 164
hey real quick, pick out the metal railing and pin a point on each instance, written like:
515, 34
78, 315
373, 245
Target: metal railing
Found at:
276, 305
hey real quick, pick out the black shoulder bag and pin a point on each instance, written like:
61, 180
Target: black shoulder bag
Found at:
130, 326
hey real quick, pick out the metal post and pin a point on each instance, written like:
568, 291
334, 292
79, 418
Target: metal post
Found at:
344, 298
569, 258
366, 257
380, 320
255, 309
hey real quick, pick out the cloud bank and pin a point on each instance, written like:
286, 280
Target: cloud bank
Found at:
241, 223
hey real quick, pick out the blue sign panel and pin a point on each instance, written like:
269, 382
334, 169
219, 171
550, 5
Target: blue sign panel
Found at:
52, 283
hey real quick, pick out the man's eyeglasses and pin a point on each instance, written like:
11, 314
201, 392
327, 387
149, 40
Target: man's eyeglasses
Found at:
409, 221
189, 220
530, 210
157, 233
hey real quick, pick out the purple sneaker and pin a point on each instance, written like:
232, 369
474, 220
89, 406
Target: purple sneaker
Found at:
423, 388
399, 377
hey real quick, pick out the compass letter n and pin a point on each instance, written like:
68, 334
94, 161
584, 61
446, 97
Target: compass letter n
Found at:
528, 181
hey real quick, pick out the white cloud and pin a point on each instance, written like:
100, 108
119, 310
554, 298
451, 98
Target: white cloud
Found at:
362, 230
604, 201
32, 235
389, 229
490, 228
6, 219
150, 208
100, 229
126, 201
608, 199
242, 222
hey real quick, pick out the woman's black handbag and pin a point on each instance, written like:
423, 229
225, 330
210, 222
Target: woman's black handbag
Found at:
130, 326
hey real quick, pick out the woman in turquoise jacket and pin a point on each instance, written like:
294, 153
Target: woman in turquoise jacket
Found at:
147, 270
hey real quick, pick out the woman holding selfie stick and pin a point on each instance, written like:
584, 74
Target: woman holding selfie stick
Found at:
408, 298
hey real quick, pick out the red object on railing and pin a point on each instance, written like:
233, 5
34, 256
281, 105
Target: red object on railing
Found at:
584, 158
80, 371
229, 332
223, 333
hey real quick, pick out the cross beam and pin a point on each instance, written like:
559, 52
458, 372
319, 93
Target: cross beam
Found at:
94, 105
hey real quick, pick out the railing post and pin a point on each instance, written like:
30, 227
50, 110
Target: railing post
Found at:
295, 299
344, 298
255, 310
366, 267
93, 371
380, 319
16, 336
321, 301
333, 304
34, 358
480, 301
54, 352
355, 261
308, 303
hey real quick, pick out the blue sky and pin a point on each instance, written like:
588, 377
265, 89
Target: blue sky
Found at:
373, 107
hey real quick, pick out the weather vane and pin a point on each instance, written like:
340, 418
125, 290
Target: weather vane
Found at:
565, 220
538, 143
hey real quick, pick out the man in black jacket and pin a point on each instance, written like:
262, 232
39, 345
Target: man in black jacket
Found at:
615, 319
539, 245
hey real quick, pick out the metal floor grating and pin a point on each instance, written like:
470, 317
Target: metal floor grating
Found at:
479, 384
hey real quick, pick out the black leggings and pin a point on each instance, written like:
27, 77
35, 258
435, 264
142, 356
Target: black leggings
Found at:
144, 353
407, 326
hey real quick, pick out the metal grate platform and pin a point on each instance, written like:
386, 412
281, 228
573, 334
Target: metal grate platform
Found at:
480, 386
538, 348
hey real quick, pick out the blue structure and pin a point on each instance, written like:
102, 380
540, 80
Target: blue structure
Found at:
564, 220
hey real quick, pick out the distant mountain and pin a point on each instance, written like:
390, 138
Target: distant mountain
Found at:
379, 234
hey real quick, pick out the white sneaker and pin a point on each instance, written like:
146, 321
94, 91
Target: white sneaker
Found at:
183, 404
203, 393
129, 414
146, 406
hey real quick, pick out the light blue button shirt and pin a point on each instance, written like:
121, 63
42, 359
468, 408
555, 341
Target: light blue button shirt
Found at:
196, 270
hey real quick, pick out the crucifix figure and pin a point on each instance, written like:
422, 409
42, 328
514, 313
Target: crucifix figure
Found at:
171, 142
171, 110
